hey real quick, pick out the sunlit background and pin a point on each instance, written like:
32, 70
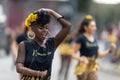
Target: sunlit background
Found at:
105, 12
107, 1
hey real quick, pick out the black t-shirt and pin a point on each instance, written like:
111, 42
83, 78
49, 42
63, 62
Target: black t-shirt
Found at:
21, 37
88, 48
37, 57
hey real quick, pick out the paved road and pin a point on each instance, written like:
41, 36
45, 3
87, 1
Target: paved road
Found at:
8, 73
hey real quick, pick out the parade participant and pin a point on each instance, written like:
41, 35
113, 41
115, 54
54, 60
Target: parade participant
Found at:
34, 59
88, 47
65, 55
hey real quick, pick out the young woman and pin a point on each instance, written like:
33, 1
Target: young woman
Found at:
88, 47
34, 59
65, 55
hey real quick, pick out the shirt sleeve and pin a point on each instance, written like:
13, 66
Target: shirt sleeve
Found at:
21, 53
79, 40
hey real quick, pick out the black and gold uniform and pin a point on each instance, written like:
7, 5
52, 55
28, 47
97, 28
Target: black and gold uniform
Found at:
38, 58
90, 50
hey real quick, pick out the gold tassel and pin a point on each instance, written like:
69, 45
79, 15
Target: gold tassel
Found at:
23, 77
33, 78
37, 78
29, 78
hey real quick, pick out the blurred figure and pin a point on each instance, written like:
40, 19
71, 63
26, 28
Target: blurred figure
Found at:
65, 48
9, 40
65, 52
88, 47
17, 38
111, 36
116, 57
104, 35
108, 36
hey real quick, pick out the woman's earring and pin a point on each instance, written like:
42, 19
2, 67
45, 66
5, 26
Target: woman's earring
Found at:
31, 34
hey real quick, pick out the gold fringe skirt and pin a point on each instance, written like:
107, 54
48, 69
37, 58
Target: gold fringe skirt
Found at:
90, 66
65, 49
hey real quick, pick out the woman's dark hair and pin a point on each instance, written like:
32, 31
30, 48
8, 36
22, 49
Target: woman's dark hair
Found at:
43, 18
84, 23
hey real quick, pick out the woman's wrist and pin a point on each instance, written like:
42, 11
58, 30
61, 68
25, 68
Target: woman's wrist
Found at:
60, 18
50, 11
55, 14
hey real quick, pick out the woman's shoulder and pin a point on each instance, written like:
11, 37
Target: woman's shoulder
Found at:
27, 43
21, 45
80, 39
81, 36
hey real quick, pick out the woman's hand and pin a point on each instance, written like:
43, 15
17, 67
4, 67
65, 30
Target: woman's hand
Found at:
83, 59
112, 47
45, 9
51, 12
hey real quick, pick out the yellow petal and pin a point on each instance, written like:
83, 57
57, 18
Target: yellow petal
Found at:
31, 18
31, 14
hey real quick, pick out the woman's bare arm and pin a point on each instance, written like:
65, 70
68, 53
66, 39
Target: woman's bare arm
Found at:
106, 52
65, 28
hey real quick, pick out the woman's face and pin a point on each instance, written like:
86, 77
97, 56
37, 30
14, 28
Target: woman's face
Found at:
91, 28
41, 32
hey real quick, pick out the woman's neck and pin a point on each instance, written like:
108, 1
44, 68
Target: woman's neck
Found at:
88, 34
40, 42
89, 37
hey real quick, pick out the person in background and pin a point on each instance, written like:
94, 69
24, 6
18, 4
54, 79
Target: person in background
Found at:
116, 56
86, 43
65, 52
111, 36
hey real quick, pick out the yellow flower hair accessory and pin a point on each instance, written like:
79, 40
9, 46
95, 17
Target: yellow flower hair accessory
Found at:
89, 17
31, 18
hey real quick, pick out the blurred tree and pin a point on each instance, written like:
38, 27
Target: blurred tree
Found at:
83, 5
105, 14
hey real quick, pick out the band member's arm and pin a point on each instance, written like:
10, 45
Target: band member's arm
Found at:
65, 28
20, 62
76, 48
105, 53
